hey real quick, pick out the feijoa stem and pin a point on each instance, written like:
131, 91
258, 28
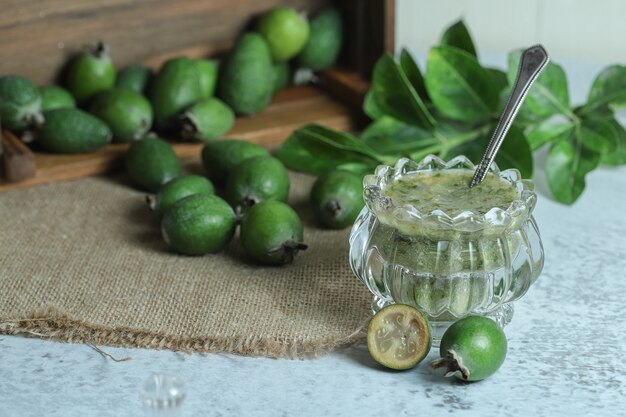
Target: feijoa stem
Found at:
304, 76
333, 207
151, 200
287, 251
102, 50
248, 201
36, 118
28, 136
188, 127
453, 363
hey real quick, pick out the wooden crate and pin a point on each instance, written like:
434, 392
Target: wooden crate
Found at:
37, 38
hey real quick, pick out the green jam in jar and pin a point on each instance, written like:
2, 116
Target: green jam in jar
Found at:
449, 192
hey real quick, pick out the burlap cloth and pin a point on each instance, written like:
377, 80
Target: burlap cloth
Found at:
83, 261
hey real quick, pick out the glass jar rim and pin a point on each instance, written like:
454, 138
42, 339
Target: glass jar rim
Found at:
409, 220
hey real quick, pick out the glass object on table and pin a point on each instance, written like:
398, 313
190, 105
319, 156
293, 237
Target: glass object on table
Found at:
447, 265
163, 395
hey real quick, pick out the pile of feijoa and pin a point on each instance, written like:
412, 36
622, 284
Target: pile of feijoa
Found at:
244, 186
190, 99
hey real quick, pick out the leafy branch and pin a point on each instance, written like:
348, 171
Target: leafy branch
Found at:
453, 108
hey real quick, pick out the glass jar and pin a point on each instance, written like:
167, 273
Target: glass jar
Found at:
448, 267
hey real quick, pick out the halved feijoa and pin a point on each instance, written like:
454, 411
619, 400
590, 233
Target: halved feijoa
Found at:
398, 337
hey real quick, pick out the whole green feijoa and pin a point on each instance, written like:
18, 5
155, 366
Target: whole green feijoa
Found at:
207, 73
135, 78
221, 157
72, 131
127, 112
337, 198
246, 78
151, 162
271, 233
198, 224
176, 87
179, 188
472, 349
286, 32
206, 119
20, 103
281, 76
55, 97
324, 43
257, 179
90, 72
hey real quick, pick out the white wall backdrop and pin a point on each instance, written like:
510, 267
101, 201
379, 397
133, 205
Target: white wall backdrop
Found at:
591, 30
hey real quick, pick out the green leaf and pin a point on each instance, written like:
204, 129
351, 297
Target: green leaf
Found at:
567, 164
370, 108
395, 96
499, 77
501, 82
515, 151
548, 96
357, 168
317, 134
316, 149
618, 155
549, 130
458, 86
389, 136
458, 36
599, 113
597, 135
608, 88
413, 73
297, 157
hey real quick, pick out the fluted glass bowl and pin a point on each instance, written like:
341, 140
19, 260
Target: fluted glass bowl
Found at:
448, 267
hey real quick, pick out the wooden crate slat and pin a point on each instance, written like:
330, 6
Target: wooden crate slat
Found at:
290, 109
38, 37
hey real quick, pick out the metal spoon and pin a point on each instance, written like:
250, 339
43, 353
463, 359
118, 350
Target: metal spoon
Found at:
532, 62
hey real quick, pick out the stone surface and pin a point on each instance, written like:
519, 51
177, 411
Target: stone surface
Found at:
566, 344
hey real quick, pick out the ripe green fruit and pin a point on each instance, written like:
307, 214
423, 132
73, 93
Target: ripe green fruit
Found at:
281, 76
337, 198
472, 349
72, 131
271, 233
176, 87
246, 78
55, 97
207, 119
221, 157
20, 103
322, 48
207, 73
135, 78
128, 113
198, 224
286, 32
257, 179
150, 163
179, 188
90, 73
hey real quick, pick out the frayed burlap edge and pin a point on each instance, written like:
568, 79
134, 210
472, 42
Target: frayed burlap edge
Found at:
52, 324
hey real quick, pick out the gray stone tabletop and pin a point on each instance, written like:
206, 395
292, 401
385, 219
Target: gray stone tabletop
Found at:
567, 344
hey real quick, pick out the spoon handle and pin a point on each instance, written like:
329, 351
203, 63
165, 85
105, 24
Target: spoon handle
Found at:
532, 62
